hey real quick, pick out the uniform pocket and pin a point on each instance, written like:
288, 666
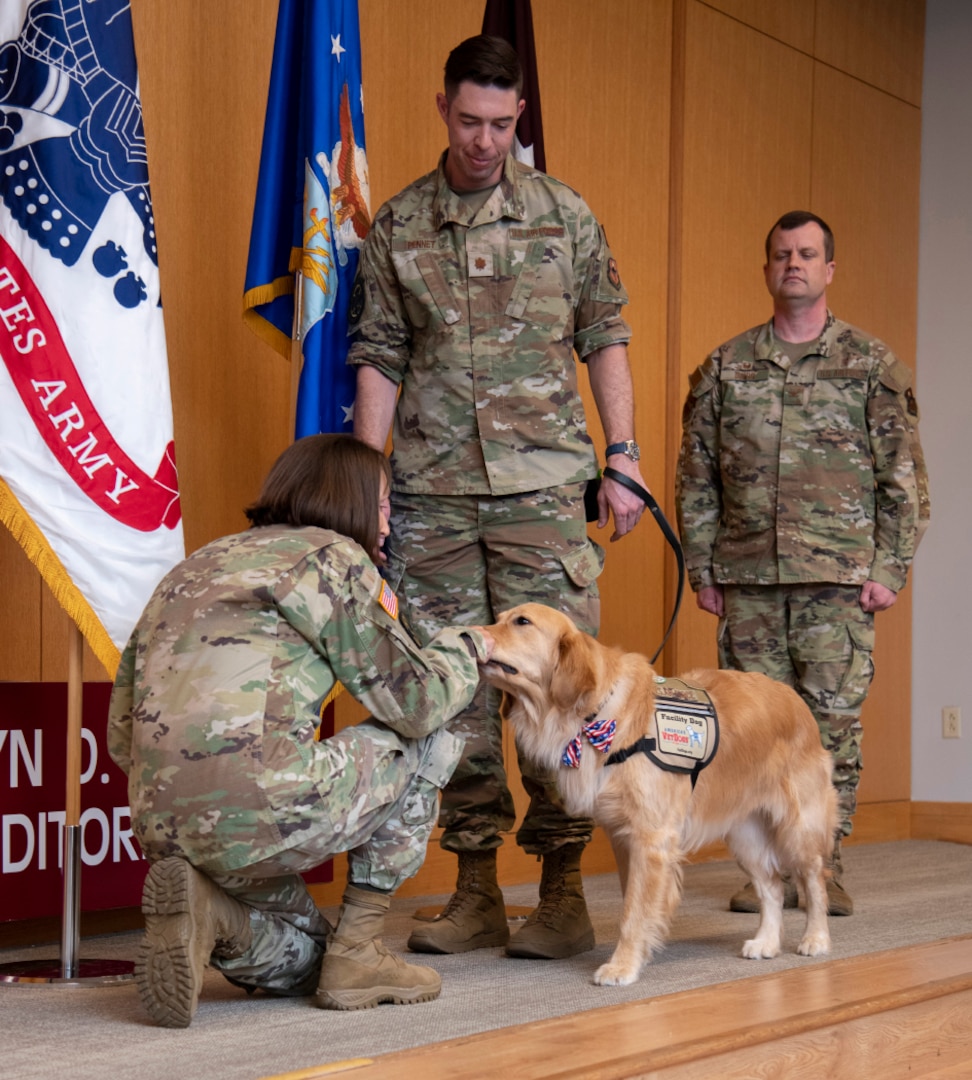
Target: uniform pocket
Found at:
583, 567
540, 295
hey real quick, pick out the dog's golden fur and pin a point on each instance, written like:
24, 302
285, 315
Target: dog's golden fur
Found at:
767, 792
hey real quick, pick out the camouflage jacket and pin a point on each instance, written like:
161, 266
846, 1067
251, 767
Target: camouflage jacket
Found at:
805, 472
476, 316
217, 698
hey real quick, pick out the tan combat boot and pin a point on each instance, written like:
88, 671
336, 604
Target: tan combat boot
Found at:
474, 917
746, 899
188, 919
358, 972
838, 899
560, 925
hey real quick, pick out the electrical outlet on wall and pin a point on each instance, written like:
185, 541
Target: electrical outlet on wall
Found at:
951, 722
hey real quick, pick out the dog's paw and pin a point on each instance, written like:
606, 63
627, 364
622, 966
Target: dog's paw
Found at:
612, 974
814, 945
758, 949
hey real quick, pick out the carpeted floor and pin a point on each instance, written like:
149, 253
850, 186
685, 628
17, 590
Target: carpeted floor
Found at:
905, 893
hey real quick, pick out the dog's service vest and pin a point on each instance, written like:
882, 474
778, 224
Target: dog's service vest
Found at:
684, 734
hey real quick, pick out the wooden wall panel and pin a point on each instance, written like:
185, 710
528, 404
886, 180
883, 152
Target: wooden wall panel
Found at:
746, 160
866, 163
877, 41
20, 613
403, 51
789, 21
605, 90
204, 107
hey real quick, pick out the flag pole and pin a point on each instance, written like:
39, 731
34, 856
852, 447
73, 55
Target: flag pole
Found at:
70, 970
296, 352
70, 927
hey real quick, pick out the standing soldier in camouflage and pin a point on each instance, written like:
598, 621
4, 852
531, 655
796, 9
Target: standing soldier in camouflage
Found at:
476, 285
801, 497
214, 716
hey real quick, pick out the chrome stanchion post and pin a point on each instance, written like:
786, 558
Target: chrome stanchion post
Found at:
70, 922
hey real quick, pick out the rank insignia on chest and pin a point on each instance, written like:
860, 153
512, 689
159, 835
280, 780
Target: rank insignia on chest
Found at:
388, 600
480, 264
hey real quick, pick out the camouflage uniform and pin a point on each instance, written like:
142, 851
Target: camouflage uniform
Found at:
214, 715
798, 482
477, 315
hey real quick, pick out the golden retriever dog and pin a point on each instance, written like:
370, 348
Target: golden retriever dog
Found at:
767, 790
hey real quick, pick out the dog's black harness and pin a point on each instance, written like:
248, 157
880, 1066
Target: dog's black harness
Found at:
686, 731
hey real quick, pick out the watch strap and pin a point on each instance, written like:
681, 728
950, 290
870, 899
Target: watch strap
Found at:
628, 447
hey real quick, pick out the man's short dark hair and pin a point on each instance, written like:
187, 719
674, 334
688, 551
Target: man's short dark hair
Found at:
485, 61
794, 220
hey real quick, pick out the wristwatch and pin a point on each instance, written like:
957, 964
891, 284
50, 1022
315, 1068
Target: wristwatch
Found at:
629, 448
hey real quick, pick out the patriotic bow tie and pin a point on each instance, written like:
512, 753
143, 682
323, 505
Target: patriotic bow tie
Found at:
599, 733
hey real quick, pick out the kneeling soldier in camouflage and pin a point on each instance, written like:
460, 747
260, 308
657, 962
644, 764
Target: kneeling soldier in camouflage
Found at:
214, 716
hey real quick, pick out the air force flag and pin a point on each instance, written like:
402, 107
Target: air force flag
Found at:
311, 214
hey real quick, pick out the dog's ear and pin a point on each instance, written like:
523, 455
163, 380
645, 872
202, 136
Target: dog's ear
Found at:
575, 674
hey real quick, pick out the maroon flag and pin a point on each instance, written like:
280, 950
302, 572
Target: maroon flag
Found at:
513, 20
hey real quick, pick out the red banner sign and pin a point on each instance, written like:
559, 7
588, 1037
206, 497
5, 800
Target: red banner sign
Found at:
33, 769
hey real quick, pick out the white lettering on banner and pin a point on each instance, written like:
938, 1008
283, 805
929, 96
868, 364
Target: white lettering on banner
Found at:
35, 336
72, 419
93, 813
7, 280
58, 818
51, 389
11, 865
123, 837
83, 452
20, 753
24, 842
17, 314
122, 485
93, 755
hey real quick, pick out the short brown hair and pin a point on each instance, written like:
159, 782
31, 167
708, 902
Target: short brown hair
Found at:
331, 481
486, 61
794, 219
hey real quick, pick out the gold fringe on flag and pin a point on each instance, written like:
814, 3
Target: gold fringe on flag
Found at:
266, 294
57, 579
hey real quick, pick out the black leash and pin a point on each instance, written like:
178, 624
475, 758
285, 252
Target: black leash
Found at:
656, 512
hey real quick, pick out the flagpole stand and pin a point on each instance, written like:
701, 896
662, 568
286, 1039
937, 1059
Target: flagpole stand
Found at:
69, 970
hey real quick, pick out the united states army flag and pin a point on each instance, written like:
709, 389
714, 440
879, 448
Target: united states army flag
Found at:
88, 481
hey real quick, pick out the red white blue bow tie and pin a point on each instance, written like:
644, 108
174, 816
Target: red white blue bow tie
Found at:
599, 733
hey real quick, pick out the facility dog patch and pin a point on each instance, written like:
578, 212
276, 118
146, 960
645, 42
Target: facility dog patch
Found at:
684, 730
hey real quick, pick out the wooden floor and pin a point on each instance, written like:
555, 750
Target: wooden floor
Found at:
903, 1013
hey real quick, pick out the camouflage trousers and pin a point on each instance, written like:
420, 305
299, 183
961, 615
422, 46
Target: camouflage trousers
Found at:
817, 639
385, 798
460, 560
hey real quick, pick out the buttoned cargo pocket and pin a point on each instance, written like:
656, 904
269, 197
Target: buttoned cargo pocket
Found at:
583, 567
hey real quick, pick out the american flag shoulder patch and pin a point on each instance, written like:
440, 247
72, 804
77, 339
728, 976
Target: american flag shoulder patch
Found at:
388, 600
